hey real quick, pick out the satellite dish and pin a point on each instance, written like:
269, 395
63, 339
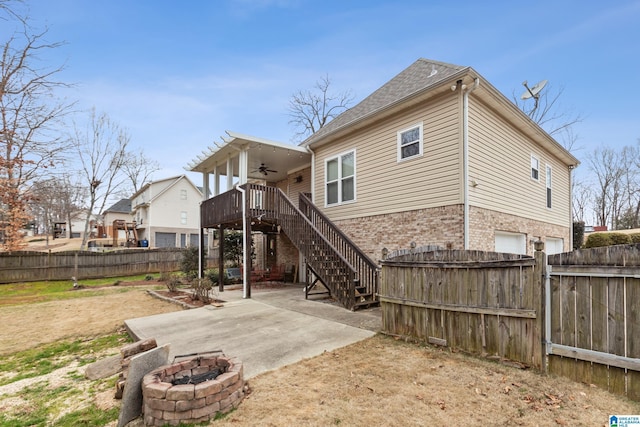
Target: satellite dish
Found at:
533, 92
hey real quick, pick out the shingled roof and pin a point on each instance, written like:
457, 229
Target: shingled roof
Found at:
419, 76
121, 206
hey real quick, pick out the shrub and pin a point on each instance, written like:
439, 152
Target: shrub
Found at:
212, 275
619, 238
164, 276
201, 289
189, 263
578, 234
148, 277
173, 282
635, 237
596, 240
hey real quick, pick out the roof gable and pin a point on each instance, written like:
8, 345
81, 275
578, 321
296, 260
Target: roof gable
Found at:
418, 77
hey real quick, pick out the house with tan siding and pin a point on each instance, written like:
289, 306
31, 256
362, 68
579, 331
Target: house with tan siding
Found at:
436, 156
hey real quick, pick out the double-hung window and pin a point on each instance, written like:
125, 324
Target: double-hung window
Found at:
410, 142
549, 186
340, 176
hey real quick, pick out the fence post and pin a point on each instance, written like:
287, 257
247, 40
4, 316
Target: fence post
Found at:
539, 277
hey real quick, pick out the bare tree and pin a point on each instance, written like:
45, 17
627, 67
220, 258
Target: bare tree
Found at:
102, 151
311, 110
608, 167
582, 197
30, 115
56, 199
138, 168
545, 110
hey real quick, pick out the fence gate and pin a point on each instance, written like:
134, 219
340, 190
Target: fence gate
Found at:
593, 317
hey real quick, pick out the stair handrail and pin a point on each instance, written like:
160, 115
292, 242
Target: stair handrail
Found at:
369, 275
296, 239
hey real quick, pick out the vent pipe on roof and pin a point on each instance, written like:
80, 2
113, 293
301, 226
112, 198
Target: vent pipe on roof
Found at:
465, 155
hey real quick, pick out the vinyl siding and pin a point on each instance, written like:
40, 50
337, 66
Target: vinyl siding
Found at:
384, 185
500, 163
292, 188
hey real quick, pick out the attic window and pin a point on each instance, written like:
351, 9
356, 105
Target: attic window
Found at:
410, 142
183, 194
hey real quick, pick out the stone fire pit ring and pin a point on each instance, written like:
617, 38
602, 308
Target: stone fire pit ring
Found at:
173, 394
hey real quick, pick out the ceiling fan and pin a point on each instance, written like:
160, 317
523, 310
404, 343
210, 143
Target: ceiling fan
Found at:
264, 169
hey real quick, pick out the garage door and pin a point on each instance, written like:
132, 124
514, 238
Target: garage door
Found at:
554, 245
513, 243
165, 240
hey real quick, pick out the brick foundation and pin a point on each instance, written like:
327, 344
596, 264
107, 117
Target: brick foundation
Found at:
443, 226
167, 404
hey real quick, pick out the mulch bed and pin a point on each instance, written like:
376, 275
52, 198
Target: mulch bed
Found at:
187, 298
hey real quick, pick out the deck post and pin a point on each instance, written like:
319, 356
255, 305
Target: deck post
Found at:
540, 301
246, 236
221, 259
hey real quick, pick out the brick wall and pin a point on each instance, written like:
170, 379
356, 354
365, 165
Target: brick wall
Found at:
483, 224
443, 226
287, 253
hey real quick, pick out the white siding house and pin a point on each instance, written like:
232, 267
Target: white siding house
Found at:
167, 212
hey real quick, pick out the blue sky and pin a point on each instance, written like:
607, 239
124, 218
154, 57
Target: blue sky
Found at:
178, 74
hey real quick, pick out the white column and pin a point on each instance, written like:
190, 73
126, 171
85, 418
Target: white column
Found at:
229, 173
216, 181
205, 185
244, 166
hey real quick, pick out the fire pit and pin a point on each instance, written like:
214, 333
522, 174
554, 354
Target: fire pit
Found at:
192, 391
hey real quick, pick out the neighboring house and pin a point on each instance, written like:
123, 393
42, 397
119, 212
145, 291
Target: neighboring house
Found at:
166, 212
78, 221
436, 156
121, 211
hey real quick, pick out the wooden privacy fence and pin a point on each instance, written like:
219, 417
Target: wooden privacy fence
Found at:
594, 317
480, 302
575, 315
34, 266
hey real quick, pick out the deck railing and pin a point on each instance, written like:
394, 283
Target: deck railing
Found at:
368, 272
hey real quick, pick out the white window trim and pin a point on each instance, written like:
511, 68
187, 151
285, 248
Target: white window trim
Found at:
548, 197
326, 193
537, 159
183, 217
420, 142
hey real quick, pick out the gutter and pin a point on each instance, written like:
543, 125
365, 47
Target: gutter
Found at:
465, 155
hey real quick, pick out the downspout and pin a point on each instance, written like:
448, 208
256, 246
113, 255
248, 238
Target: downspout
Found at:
465, 156
571, 168
313, 173
245, 256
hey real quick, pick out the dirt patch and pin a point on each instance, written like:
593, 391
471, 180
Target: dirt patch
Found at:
27, 326
382, 381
